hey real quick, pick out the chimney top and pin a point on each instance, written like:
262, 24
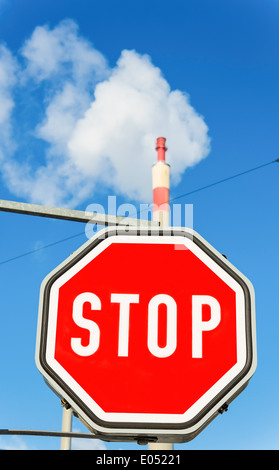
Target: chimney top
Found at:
161, 148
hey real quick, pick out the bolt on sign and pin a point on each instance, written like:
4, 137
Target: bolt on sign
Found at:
146, 334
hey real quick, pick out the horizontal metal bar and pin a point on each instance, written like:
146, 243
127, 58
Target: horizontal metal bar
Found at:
72, 215
79, 435
24, 432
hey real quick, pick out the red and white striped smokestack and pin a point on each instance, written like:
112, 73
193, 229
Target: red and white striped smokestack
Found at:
161, 184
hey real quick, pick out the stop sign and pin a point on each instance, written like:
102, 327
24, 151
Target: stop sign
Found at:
146, 333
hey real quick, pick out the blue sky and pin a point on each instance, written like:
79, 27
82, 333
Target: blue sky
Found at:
85, 89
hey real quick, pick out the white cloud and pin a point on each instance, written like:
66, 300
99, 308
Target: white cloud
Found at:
118, 132
54, 53
82, 443
8, 69
98, 124
87, 444
12, 443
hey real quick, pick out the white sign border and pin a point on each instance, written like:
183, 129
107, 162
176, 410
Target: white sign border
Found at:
149, 418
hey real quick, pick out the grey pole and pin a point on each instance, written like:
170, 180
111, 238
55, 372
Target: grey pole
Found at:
66, 427
72, 215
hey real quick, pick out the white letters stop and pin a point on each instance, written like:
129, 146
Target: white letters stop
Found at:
124, 301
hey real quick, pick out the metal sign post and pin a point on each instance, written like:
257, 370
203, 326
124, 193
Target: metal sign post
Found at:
66, 426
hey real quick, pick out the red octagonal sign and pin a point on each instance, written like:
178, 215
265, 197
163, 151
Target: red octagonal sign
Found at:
147, 334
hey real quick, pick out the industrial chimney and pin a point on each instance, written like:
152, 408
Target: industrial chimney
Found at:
161, 184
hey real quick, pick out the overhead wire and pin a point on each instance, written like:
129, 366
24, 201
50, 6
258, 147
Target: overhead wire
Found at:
41, 248
223, 180
169, 201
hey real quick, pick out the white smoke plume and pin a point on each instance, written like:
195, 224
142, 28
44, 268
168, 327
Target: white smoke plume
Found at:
70, 124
